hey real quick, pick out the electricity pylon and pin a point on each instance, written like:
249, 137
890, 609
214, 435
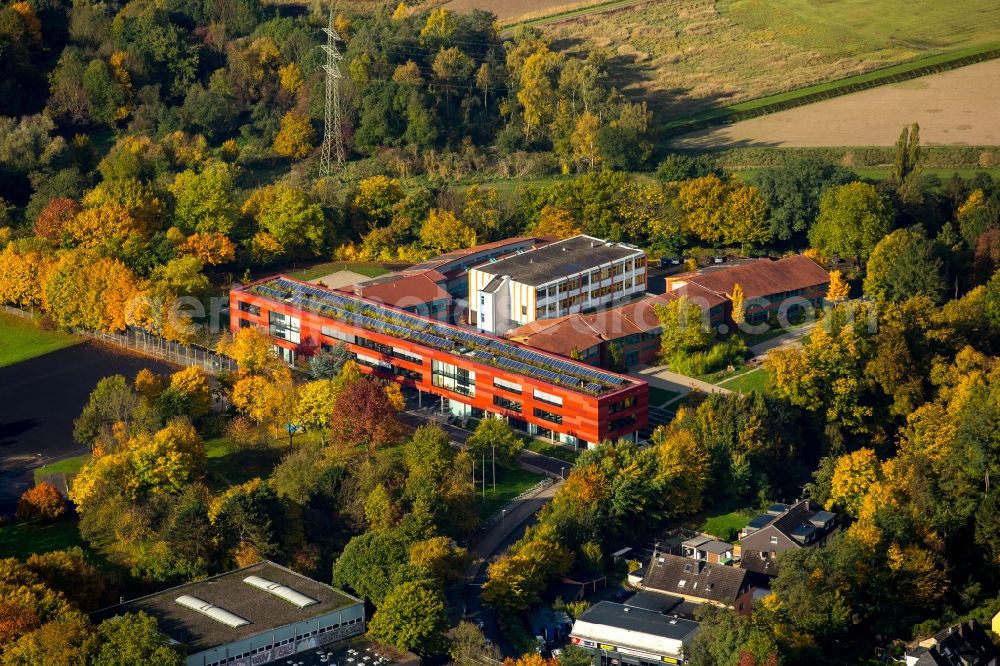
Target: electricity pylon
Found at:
333, 141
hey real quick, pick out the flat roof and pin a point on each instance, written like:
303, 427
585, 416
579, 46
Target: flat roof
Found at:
264, 610
658, 602
641, 620
485, 349
565, 257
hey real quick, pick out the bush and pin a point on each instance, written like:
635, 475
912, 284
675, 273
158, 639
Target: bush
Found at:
43, 502
717, 357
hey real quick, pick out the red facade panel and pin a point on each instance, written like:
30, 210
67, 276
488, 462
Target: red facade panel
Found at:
591, 418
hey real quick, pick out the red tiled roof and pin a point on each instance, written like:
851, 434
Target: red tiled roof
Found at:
759, 278
403, 292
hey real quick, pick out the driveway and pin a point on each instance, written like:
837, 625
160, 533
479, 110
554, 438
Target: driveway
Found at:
40, 398
784, 340
661, 377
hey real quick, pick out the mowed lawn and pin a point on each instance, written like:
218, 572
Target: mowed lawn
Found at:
21, 339
686, 56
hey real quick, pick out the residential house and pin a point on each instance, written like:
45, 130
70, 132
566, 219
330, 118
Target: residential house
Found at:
709, 549
782, 528
700, 582
965, 644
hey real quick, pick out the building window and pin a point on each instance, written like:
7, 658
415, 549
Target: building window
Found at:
407, 356
774, 539
623, 404
284, 327
453, 378
337, 335
551, 399
245, 323
524, 310
506, 385
618, 424
507, 403
250, 308
548, 416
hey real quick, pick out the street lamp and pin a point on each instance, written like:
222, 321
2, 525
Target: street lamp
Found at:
503, 520
562, 471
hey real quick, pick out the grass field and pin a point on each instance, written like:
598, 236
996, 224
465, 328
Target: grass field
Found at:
511, 482
725, 526
755, 380
687, 56
551, 450
319, 270
64, 466
21, 339
21, 539
658, 396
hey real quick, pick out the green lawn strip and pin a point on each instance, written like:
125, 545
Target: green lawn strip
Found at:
228, 468
659, 396
321, 270
21, 339
723, 522
754, 380
781, 101
65, 466
511, 482
572, 13
547, 448
20, 539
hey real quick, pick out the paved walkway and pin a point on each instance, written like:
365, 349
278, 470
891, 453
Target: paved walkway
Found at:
661, 377
784, 340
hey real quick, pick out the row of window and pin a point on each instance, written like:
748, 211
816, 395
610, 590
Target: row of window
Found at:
623, 404
591, 278
453, 378
298, 637
250, 308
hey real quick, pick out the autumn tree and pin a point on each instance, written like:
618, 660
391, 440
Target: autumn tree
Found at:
134, 638
443, 232
24, 268
703, 202
536, 94
839, 288
363, 415
685, 469
70, 572
744, 218
210, 248
854, 473
42, 502
296, 137
51, 221
558, 222
739, 314
85, 290
683, 328
852, 219
252, 351
375, 198
288, 224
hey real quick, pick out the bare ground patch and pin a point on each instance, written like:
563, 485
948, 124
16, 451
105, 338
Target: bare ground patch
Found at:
520, 10
960, 107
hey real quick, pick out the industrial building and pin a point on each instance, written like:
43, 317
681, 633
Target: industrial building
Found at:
251, 616
571, 275
618, 634
471, 373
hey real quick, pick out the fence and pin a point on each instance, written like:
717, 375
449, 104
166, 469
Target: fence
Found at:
17, 312
139, 340
530, 492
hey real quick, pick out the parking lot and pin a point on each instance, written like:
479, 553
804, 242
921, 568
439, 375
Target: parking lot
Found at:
358, 655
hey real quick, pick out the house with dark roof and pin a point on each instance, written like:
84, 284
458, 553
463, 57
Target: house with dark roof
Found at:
700, 582
254, 615
965, 644
782, 528
707, 548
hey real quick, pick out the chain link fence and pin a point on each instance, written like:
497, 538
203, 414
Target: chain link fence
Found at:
144, 342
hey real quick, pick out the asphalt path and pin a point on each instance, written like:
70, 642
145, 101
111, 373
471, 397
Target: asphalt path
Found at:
40, 398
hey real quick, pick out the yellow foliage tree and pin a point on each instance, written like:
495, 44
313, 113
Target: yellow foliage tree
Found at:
440, 26
251, 349
853, 475
31, 22
290, 77
142, 204
739, 304
685, 468
315, 403
192, 383
558, 222
395, 394
296, 136
745, 217
443, 232
106, 226
839, 288
88, 291
23, 271
536, 96
584, 140
212, 248
703, 202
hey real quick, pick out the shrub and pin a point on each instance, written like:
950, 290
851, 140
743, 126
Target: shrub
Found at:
43, 502
715, 358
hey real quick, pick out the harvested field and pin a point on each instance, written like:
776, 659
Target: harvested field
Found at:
510, 11
687, 56
960, 107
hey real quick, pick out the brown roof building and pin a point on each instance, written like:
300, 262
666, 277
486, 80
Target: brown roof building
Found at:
780, 529
700, 582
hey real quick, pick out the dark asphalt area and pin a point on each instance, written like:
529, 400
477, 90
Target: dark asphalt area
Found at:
40, 398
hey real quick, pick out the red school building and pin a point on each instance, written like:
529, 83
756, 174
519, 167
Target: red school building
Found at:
473, 374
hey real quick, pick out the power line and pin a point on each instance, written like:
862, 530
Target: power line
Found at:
333, 140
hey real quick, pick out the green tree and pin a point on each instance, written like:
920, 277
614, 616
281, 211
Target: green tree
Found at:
904, 264
203, 202
369, 564
428, 454
134, 638
288, 223
723, 636
906, 164
112, 401
495, 435
852, 219
792, 193
993, 300
469, 646
412, 617
683, 328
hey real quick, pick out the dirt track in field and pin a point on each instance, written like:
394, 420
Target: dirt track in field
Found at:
510, 10
960, 107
